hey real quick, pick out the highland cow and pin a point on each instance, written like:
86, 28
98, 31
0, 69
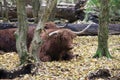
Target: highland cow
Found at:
56, 46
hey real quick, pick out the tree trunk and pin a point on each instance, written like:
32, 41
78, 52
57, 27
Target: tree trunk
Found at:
13, 2
21, 33
103, 30
53, 12
28, 67
5, 13
1, 10
21, 36
36, 8
37, 41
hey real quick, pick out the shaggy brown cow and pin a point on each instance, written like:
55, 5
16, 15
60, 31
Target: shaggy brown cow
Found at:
57, 46
7, 39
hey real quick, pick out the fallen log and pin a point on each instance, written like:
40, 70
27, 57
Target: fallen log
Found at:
14, 25
114, 29
67, 13
6, 26
12, 12
28, 19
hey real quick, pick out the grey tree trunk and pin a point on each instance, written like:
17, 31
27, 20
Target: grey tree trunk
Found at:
5, 13
53, 12
36, 8
21, 33
103, 30
13, 2
1, 10
37, 41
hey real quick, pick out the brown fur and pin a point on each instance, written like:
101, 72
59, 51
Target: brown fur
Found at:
8, 41
55, 47
58, 46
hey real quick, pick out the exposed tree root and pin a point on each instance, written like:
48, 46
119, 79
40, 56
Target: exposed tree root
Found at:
20, 71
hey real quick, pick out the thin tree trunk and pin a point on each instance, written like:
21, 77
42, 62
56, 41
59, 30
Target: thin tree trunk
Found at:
103, 30
21, 33
37, 41
52, 14
5, 13
36, 8
13, 2
1, 10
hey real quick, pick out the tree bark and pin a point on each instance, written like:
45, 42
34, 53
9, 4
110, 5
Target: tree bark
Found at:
1, 10
5, 13
103, 30
36, 8
37, 41
53, 12
21, 33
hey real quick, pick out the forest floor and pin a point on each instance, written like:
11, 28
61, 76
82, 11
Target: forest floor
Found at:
78, 68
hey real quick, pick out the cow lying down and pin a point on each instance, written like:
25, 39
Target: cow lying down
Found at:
57, 42
56, 46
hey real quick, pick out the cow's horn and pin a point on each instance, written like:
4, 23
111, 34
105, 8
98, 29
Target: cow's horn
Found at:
54, 32
80, 32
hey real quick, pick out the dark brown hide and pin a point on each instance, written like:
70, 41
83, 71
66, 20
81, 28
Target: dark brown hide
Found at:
7, 39
57, 46
54, 47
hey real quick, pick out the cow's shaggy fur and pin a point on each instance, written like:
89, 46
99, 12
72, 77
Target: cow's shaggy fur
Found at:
8, 41
55, 47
